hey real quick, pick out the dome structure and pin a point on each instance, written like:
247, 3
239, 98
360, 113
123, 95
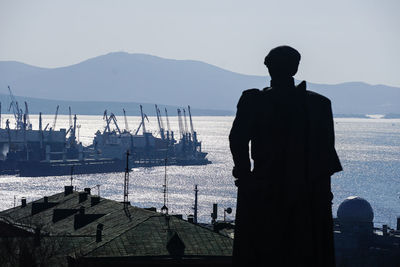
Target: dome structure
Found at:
355, 214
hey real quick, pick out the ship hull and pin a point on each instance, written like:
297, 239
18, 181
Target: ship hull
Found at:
58, 168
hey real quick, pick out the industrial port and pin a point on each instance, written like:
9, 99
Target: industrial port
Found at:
47, 151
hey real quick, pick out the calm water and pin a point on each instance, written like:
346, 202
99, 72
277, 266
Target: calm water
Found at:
369, 150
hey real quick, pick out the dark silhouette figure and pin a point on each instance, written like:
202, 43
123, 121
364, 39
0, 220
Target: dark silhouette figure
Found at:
284, 203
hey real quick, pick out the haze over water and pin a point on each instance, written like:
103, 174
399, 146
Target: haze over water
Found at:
369, 150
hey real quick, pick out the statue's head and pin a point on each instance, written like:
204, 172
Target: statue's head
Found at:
282, 62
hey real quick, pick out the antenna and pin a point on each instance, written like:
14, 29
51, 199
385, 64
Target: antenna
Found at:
72, 172
164, 208
126, 180
126, 187
195, 203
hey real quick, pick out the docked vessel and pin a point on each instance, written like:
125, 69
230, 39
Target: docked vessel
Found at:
48, 151
145, 148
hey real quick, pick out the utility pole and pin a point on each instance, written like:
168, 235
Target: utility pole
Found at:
164, 208
126, 180
195, 203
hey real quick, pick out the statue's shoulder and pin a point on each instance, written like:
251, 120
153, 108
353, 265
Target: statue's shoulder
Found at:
251, 92
316, 97
249, 97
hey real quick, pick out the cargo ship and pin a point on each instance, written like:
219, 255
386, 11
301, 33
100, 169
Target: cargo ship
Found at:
148, 150
48, 151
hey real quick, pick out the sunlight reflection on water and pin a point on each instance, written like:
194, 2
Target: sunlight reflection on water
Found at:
369, 150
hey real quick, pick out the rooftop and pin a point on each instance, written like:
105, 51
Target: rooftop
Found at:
96, 227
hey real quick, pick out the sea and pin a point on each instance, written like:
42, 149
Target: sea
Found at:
369, 150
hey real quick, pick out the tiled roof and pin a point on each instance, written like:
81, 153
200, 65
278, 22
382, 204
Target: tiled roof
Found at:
125, 233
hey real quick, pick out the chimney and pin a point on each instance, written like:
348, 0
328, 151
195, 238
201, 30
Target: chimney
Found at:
398, 224
214, 215
190, 218
99, 232
23, 202
46, 199
82, 196
94, 200
68, 190
87, 190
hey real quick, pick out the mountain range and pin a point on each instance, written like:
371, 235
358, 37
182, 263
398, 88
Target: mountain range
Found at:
119, 79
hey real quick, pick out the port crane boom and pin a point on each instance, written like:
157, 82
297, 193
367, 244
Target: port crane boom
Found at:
55, 118
160, 126
28, 121
180, 123
143, 125
112, 116
105, 117
194, 134
16, 110
126, 121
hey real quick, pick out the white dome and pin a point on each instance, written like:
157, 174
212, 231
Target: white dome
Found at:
355, 209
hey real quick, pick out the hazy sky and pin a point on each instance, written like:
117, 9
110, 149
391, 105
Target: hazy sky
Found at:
340, 41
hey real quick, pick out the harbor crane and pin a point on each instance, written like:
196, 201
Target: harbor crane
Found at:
187, 135
126, 121
160, 123
28, 121
108, 120
105, 117
112, 116
194, 134
169, 132
72, 126
16, 111
55, 119
143, 125
180, 123
70, 117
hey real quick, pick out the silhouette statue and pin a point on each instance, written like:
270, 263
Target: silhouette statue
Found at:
283, 211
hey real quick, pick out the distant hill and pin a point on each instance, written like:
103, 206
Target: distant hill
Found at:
46, 106
139, 78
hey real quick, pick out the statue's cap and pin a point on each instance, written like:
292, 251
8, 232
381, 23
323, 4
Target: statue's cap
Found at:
282, 61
